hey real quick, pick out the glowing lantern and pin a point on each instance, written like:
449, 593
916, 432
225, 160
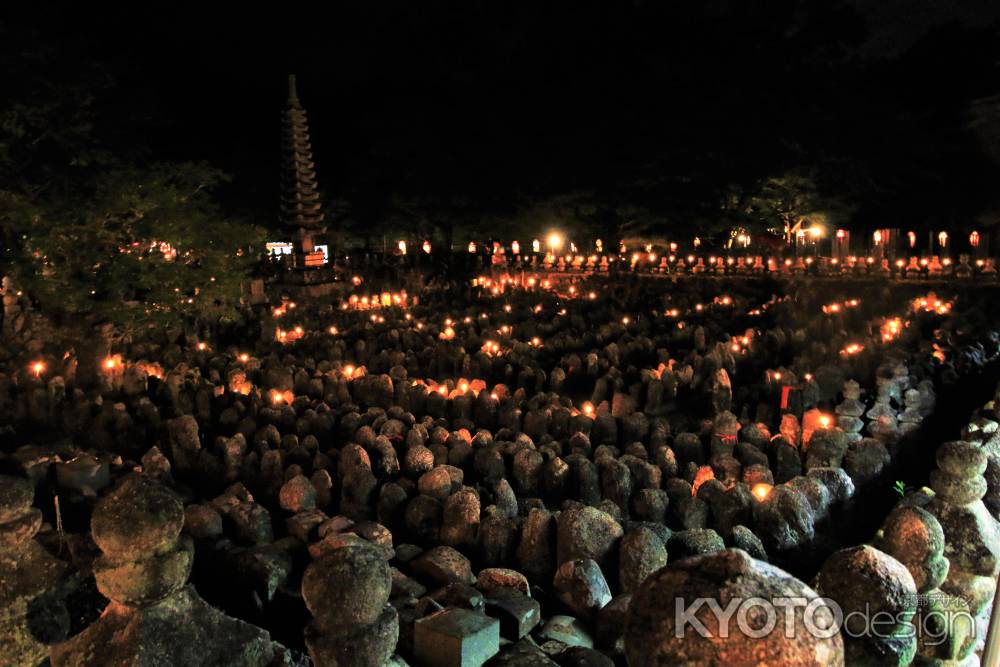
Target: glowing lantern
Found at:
554, 240
348, 371
912, 236
37, 368
673, 247
536, 246
761, 491
110, 363
402, 247
974, 239
515, 248
599, 244
824, 421
816, 231
943, 239
877, 237
841, 233
427, 247
244, 358
472, 247
588, 409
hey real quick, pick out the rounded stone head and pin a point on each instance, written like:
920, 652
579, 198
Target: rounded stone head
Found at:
139, 517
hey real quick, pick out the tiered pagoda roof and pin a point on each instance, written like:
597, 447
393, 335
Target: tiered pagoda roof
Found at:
300, 207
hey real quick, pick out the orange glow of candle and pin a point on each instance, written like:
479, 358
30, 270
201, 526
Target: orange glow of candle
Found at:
761, 491
703, 475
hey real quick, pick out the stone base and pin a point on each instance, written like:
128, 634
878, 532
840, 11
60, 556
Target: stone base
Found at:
358, 646
32, 613
180, 630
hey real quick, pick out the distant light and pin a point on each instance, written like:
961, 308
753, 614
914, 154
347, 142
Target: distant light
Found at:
515, 248
943, 239
402, 247
38, 368
472, 247
877, 237
554, 240
426, 247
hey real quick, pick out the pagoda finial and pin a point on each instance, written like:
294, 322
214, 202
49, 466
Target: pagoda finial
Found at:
293, 93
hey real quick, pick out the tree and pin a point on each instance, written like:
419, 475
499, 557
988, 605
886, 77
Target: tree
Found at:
148, 246
92, 234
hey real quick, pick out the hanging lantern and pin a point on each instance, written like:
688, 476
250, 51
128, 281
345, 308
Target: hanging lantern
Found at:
402, 247
913, 238
877, 236
472, 247
515, 248
536, 246
427, 247
943, 239
974, 239
599, 244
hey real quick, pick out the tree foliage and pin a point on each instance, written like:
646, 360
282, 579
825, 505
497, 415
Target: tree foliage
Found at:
91, 232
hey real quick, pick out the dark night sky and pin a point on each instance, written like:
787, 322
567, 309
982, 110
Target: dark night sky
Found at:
504, 100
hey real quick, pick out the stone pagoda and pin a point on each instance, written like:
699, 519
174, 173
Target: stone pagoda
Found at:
300, 212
